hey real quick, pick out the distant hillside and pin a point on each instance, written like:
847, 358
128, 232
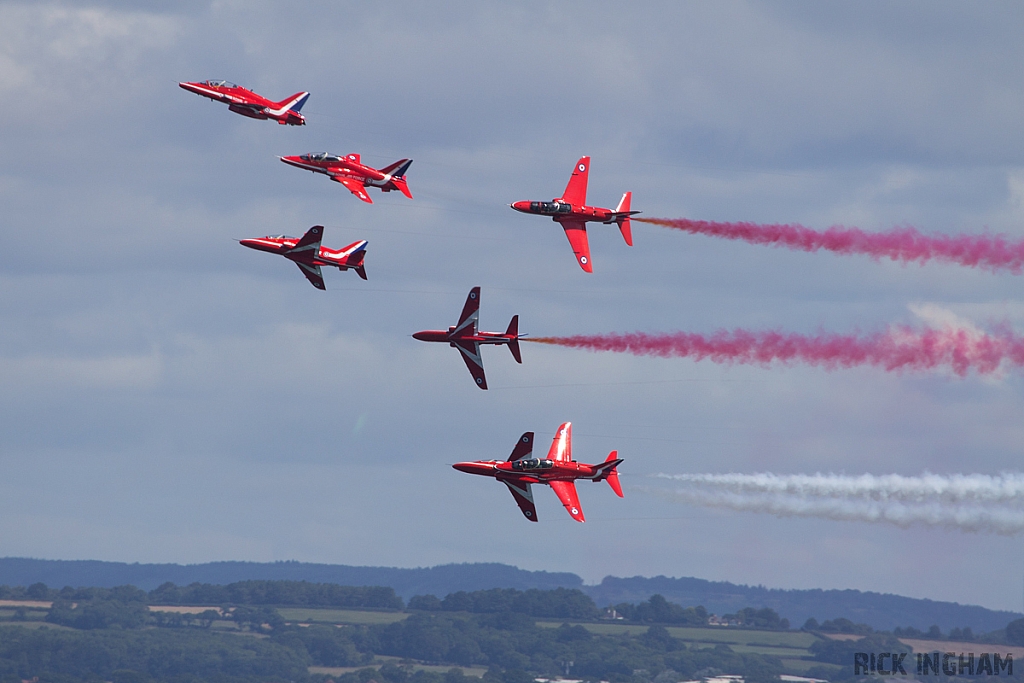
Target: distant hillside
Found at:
440, 580
881, 611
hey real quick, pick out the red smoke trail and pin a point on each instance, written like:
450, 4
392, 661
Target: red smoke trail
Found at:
899, 349
991, 252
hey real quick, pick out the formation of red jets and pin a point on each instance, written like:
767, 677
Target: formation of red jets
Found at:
558, 470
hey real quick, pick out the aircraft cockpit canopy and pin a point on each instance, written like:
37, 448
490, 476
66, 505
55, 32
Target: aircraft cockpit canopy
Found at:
221, 84
320, 156
280, 237
550, 207
532, 464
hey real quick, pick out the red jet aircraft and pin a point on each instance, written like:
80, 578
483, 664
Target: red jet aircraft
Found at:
558, 470
309, 255
247, 103
351, 173
572, 212
467, 340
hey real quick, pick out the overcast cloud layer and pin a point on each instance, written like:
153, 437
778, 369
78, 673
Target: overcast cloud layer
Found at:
169, 396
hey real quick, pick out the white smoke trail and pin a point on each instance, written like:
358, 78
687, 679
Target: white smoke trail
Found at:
971, 502
955, 488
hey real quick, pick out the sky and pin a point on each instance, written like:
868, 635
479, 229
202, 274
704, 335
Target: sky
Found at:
167, 395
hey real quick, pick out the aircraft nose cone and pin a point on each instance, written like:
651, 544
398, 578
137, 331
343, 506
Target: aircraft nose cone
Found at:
431, 336
520, 206
248, 243
472, 467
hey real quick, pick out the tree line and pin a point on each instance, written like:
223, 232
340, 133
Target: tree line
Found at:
558, 603
293, 593
1012, 634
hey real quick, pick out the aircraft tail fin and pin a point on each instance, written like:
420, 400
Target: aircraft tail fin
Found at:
524, 447
612, 474
356, 253
397, 169
397, 172
623, 221
513, 345
294, 102
620, 216
356, 248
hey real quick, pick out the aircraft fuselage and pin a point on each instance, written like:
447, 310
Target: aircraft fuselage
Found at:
533, 471
342, 168
353, 174
564, 211
450, 336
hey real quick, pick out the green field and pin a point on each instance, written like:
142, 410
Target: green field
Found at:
31, 615
338, 616
790, 645
797, 639
767, 650
800, 666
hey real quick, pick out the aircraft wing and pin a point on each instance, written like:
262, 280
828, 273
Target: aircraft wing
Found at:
576, 231
312, 274
561, 445
309, 245
470, 313
576, 191
566, 492
523, 494
471, 354
524, 447
354, 186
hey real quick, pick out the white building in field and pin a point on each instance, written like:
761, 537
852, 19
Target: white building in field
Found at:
724, 678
